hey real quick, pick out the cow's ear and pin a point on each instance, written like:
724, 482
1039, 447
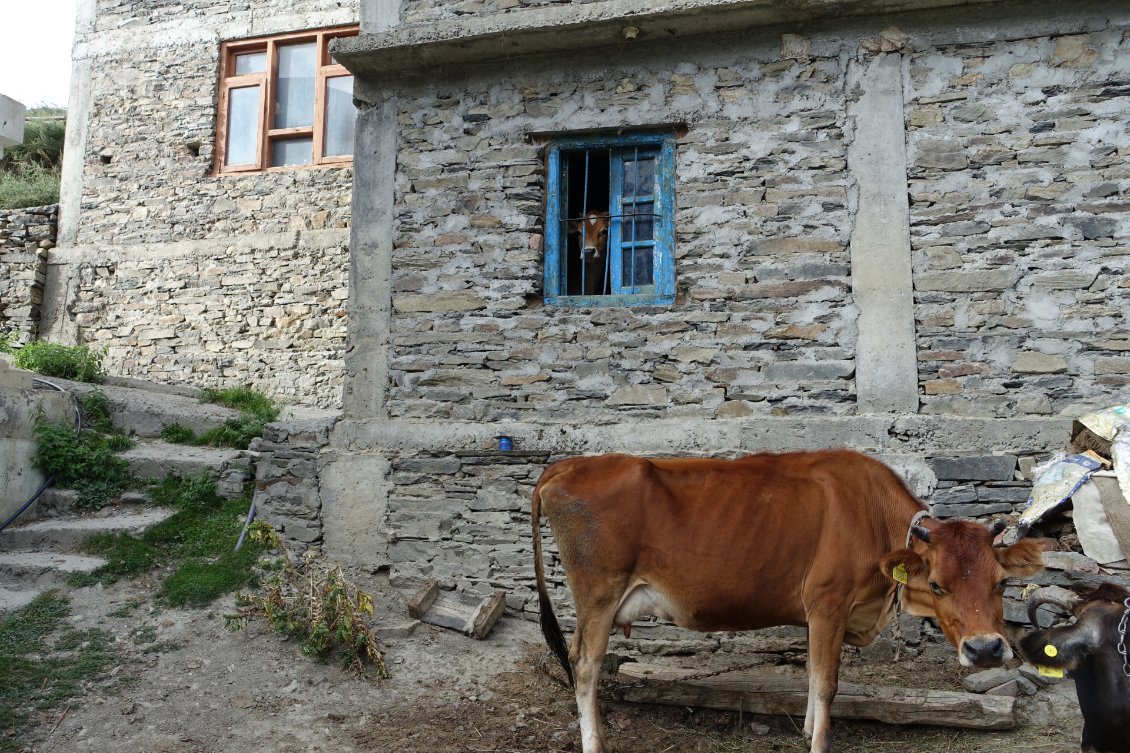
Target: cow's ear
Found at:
902, 565
1022, 558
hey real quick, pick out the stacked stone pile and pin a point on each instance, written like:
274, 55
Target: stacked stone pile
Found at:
26, 238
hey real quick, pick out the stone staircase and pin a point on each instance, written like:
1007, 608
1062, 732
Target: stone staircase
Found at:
40, 550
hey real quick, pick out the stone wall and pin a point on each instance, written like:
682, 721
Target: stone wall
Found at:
26, 237
1020, 212
764, 321
191, 277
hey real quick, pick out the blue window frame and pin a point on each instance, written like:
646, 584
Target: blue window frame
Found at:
624, 254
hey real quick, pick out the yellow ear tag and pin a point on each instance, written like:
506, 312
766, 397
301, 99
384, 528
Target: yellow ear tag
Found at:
898, 575
1050, 671
1051, 651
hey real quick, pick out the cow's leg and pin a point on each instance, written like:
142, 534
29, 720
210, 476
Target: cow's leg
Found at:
825, 641
586, 654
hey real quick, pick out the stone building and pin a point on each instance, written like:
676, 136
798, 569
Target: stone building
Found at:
897, 226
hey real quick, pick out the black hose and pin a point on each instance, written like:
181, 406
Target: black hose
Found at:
50, 479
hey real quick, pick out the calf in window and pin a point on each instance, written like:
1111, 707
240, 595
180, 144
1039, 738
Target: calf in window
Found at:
588, 253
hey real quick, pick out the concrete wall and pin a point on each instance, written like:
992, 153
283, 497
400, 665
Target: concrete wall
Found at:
191, 277
878, 229
19, 403
12, 115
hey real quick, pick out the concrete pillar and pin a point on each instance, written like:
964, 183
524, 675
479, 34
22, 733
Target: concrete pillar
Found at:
886, 366
12, 116
370, 262
78, 124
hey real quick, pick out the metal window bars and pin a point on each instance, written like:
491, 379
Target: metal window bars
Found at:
630, 243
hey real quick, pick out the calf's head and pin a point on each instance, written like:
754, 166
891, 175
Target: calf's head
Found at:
592, 231
1093, 631
953, 573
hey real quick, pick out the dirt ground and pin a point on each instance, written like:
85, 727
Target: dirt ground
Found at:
186, 684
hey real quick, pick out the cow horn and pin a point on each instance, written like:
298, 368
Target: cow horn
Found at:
1054, 595
921, 533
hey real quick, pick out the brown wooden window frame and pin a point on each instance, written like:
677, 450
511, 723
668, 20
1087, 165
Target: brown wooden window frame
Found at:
267, 82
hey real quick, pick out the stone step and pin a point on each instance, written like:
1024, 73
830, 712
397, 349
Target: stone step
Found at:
66, 533
12, 599
143, 409
24, 569
153, 459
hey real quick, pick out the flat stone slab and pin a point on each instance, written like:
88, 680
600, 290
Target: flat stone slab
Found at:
13, 599
41, 568
61, 534
153, 459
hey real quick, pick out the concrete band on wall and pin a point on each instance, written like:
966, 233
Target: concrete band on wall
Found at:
927, 275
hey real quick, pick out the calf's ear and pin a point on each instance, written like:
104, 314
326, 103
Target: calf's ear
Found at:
1022, 558
902, 565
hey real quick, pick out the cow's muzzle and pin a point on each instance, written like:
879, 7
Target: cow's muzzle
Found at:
985, 651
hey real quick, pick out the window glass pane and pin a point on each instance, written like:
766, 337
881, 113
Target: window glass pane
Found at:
243, 126
294, 101
639, 222
292, 151
637, 267
639, 177
250, 62
340, 115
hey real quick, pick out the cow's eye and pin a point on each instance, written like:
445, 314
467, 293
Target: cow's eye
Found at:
938, 590
1002, 585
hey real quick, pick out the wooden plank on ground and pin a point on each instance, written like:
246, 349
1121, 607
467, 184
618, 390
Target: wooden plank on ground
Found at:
743, 691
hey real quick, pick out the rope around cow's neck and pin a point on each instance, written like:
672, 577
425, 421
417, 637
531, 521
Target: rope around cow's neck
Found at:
896, 627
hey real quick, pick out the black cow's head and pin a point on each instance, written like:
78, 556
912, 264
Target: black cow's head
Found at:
1088, 648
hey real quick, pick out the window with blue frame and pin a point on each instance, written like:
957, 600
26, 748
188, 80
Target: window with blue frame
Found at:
610, 220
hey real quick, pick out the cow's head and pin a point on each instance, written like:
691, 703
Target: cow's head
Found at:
953, 573
592, 230
1093, 631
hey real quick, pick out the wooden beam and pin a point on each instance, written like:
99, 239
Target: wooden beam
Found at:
742, 691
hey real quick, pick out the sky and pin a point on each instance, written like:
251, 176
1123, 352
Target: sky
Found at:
35, 50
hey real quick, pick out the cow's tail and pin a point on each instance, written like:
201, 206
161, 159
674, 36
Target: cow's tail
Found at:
550, 628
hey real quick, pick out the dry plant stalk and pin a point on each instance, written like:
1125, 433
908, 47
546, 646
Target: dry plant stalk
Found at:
315, 602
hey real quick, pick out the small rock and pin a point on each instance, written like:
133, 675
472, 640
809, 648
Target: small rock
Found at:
980, 682
1010, 688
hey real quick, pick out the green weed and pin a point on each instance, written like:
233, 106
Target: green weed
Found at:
256, 410
75, 362
175, 433
83, 461
243, 399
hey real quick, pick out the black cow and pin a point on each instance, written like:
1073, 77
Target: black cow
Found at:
1093, 649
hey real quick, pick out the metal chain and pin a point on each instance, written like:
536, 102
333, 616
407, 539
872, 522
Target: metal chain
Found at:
1122, 638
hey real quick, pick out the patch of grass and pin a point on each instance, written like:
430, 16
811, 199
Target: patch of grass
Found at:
198, 540
243, 399
75, 362
41, 675
256, 410
175, 433
84, 461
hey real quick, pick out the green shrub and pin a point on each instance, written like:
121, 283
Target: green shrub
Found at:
244, 399
83, 461
29, 172
75, 362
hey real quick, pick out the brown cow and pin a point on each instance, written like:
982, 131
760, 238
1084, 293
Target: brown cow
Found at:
808, 538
